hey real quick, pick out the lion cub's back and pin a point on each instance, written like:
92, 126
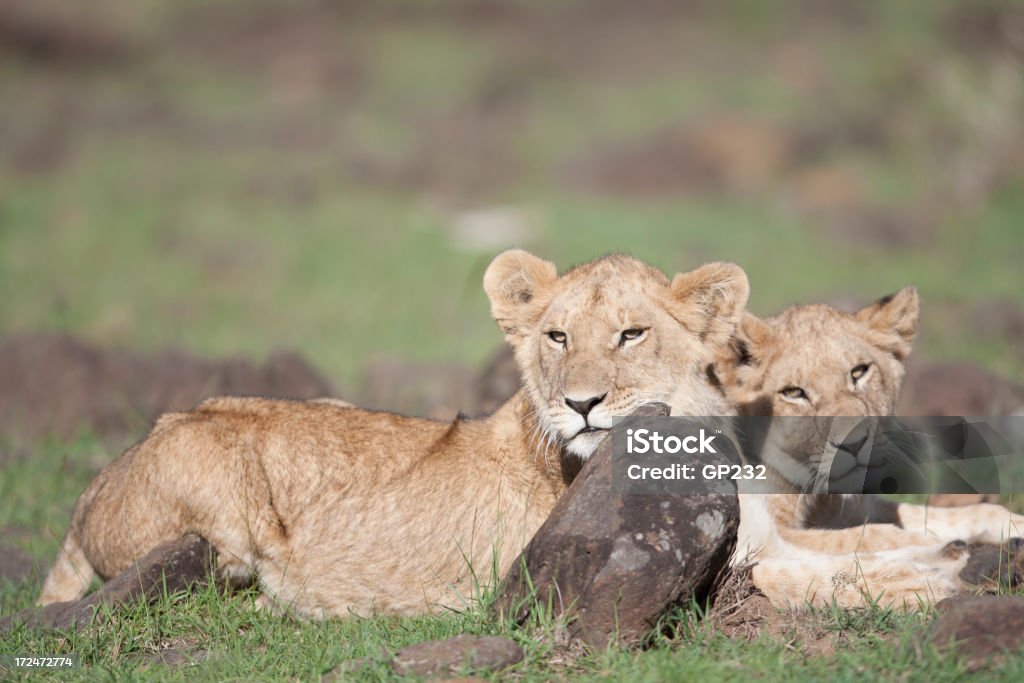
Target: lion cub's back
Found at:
324, 437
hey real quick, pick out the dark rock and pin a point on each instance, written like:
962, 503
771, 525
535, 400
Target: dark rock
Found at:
48, 34
614, 563
435, 390
53, 384
170, 657
461, 653
15, 564
957, 389
498, 381
176, 566
981, 629
999, 318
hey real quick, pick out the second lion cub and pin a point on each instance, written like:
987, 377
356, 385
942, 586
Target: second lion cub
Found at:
818, 361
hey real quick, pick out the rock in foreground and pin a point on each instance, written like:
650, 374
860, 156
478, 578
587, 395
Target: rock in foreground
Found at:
981, 629
173, 566
614, 563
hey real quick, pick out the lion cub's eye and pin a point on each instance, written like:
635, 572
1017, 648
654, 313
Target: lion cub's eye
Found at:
631, 334
859, 371
557, 336
794, 393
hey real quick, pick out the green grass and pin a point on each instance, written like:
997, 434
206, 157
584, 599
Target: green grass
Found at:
237, 643
354, 276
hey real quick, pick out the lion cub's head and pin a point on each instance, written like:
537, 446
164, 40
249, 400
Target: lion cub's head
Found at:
818, 362
612, 334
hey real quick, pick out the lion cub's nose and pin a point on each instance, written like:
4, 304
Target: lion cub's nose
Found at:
852, 445
584, 406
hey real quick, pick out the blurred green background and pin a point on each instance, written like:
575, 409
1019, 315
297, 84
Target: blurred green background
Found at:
239, 176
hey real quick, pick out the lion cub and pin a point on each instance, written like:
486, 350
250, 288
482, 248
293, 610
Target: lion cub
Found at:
817, 361
334, 509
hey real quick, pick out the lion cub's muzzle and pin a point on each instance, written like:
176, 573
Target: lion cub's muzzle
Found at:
584, 425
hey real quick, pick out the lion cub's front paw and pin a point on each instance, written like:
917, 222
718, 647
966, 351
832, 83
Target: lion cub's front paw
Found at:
991, 567
265, 603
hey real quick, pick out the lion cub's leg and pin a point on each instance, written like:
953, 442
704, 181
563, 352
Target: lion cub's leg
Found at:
839, 524
283, 588
985, 522
866, 538
894, 578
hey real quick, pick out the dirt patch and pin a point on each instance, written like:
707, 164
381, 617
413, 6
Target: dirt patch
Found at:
305, 52
436, 390
721, 154
52, 384
1000, 318
177, 654
48, 32
742, 612
828, 188
16, 565
498, 381
461, 154
986, 28
957, 389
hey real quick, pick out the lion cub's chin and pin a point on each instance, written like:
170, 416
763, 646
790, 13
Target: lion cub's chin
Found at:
584, 445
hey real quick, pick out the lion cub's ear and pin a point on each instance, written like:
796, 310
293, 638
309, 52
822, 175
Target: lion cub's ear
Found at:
513, 281
894, 319
742, 354
709, 301
752, 334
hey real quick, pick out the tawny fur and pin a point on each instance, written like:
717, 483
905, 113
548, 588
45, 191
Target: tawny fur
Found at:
334, 509
853, 549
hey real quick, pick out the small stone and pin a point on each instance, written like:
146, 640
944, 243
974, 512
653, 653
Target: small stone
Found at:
169, 657
461, 653
346, 669
15, 564
177, 565
981, 629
